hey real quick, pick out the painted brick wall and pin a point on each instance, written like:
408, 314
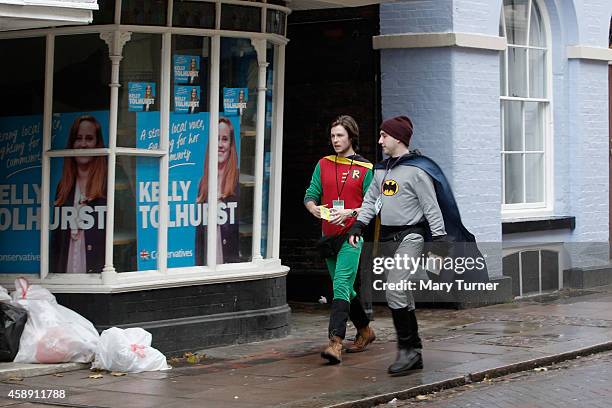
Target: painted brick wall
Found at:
588, 145
416, 16
477, 16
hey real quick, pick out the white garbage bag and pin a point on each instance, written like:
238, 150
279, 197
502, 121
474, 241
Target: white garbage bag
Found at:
53, 333
128, 351
4, 296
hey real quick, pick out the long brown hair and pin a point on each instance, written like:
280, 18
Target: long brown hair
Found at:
98, 168
229, 182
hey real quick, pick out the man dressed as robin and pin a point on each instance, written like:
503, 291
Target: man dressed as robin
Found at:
335, 194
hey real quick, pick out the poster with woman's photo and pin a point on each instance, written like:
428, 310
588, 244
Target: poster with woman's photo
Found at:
186, 69
186, 99
77, 198
188, 190
20, 193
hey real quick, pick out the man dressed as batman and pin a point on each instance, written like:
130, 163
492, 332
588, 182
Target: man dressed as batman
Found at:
338, 184
415, 204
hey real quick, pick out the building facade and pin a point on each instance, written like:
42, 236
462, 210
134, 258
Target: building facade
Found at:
106, 128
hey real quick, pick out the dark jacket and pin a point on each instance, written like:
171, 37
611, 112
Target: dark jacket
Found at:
95, 242
230, 237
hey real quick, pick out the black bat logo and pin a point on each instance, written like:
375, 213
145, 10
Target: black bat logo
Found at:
390, 188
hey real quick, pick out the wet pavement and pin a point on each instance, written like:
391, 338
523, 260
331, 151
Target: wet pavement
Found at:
460, 346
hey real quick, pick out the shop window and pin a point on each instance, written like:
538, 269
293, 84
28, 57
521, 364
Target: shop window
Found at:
240, 18
139, 76
275, 22
78, 194
144, 12
136, 214
21, 109
81, 77
195, 14
238, 97
532, 271
525, 104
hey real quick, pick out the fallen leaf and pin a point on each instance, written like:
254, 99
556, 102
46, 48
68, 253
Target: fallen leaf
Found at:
193, 359
118, 374
15, 379
58, 375
539, 369
422, 397
95, 376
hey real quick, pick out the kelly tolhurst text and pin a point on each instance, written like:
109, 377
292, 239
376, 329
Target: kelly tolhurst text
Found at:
402, 285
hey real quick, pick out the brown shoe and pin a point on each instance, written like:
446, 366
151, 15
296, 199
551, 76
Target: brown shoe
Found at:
364, 337
333, 352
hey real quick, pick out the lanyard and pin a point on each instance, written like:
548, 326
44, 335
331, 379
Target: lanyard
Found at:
338, 189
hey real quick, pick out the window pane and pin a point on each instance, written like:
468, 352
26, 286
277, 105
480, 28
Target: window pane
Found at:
534, 178
513, 125
139, 76
81, 77
78, 196
537, 73
537, 38
193, 14
21, 115
513, 176
534, 126
136, 214
144, 12
517, 66
240, 18
275, 22
267, 150
190, 68
515, 13
237, 144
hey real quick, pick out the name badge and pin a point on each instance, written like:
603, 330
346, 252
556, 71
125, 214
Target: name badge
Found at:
378, 204
338, 204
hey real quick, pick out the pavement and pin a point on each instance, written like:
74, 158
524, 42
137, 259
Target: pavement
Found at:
460, 347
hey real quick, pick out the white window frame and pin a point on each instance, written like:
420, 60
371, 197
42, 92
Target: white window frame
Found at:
116, 35
545, 208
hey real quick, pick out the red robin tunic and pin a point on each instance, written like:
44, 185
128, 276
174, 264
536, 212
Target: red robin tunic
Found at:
339, 178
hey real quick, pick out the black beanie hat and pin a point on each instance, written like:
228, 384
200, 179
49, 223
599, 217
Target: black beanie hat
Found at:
399, 127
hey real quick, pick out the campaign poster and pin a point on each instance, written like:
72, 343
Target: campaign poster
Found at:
235, 99
141, 96
188, 144
186, 99
77, 223
20, 181
186, 69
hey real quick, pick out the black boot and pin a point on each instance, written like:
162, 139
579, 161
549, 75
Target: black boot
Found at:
408, 343
337, 330
357, 314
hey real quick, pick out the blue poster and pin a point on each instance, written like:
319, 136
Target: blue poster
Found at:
235, 99
141, 96
186, 99
20, 185
187, 209
186, 69
20, 179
